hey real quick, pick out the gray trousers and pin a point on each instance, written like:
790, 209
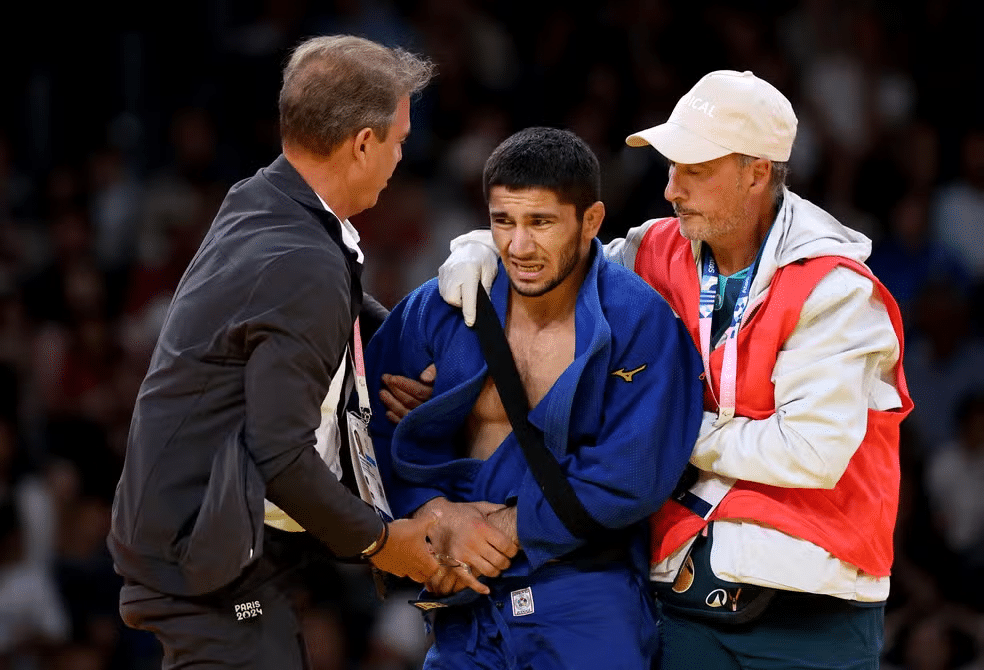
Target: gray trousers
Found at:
249, 624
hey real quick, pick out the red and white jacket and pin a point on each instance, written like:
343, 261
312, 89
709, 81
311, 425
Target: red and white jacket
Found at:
805, 479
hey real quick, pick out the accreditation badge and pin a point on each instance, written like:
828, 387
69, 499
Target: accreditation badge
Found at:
364, 465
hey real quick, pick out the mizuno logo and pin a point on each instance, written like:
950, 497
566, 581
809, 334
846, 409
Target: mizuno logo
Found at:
628, 375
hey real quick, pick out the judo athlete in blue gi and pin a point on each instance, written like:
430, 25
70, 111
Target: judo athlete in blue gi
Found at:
613, 380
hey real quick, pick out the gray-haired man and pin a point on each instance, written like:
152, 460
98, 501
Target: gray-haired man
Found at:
228, 412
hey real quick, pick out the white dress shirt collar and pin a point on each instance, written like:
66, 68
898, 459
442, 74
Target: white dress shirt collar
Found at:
350, 236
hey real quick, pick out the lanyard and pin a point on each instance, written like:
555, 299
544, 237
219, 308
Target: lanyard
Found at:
365, 468
709, 279
360, 372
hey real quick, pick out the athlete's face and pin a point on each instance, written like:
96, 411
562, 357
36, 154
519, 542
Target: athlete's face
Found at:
541, 241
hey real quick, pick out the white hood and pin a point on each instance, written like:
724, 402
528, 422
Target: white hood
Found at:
803, 230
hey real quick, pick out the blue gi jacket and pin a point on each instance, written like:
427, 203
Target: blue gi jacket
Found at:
621, 419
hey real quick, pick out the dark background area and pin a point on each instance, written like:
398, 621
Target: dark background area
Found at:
122, 126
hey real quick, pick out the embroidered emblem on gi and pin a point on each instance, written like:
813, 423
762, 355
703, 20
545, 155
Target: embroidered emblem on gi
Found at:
248, 610
628, 375
716, 598
426, 605
522, 602
685, 578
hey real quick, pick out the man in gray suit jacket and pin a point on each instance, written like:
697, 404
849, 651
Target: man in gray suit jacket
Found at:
227, 414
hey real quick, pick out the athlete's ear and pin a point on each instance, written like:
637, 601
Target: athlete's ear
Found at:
592, 219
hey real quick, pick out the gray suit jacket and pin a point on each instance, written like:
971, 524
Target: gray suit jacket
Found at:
227, 412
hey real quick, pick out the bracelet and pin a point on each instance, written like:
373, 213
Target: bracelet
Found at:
377, 544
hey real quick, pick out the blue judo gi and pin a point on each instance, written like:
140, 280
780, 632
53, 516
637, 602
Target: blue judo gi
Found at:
621, 420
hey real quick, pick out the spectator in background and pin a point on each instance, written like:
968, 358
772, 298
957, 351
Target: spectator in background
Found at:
916, 153
32, 615
958, 213
395, 235
53, 293
114, 201
397, 641
855, 93
15, 187
79, 359
78, 656
954, 481
24, 487
908, 258
943, 361
324, 637
947, 638
454, 202
180, 197
15, 346
958, 218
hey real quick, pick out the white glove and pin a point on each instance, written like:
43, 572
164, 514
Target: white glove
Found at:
473, 258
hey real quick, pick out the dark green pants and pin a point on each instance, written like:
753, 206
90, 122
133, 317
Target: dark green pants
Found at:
797, 632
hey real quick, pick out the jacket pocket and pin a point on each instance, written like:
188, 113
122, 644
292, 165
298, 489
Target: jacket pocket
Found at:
227, 535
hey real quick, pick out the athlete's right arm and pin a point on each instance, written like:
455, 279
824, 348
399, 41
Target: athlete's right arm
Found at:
474, 258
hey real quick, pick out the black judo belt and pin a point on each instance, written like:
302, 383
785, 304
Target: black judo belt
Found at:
544, 467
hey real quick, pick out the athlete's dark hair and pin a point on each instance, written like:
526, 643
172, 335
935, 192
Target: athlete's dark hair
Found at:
547, 158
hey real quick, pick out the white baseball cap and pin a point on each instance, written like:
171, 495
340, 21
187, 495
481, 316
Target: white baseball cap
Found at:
725, 112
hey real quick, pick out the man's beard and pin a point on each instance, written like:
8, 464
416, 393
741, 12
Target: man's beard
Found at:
711, 229
568, 263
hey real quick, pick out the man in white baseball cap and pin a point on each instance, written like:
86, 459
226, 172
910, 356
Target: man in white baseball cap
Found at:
726, 112
776, 552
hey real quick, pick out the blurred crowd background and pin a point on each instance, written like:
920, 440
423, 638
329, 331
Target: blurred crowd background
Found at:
122, 127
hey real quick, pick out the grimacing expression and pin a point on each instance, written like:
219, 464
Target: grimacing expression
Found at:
541, 241
710, 198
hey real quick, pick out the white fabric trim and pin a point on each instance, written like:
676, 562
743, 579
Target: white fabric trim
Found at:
749, 553
327, 444
350, 236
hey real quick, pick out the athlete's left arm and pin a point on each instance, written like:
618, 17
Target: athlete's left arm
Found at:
837, 363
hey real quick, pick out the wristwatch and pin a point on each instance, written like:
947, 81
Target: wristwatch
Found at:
377, 544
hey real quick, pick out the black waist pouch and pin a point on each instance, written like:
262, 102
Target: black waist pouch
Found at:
697, 593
